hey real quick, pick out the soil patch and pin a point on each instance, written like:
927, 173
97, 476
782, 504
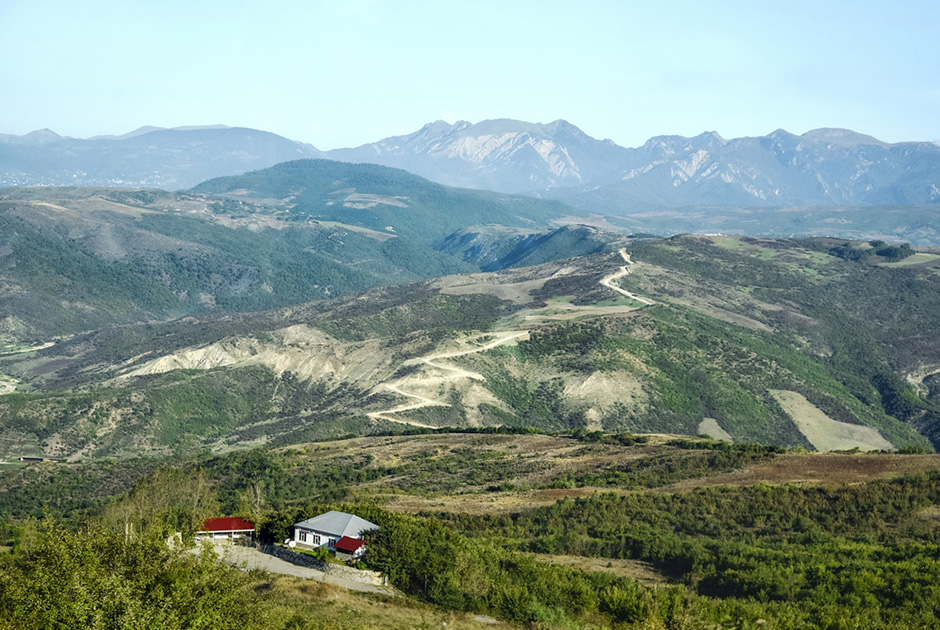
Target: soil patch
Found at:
820, 469
824, 433
710, 427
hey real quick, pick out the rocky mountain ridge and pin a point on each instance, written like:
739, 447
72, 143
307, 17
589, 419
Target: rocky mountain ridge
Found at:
557, 160
822, 167
503, 155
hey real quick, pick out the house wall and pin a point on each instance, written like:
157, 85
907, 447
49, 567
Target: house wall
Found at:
225, 534
351, 556
311, 540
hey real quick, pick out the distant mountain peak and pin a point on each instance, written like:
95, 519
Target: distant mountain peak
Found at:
781, 133
439, 127
500, 154
841, 137
711, 135
40, 136
147, 157
130, 134
201, 127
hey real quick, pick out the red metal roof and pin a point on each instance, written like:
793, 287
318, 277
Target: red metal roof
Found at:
349, 545
227, 524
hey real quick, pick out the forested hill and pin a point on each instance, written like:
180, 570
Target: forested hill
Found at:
816, 344
76, 259
541, 531
380, 198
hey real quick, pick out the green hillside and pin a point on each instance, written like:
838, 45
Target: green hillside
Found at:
530, 529
756, 340
497, 247
78, 259
377, 197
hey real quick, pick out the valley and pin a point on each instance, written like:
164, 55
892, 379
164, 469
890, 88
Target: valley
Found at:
741, 335
450, 316
629, 521
555, 424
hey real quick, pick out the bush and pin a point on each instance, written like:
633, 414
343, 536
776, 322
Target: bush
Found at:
95, 578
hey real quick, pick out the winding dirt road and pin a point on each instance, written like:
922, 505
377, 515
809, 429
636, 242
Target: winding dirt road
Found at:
608, 281
452, 373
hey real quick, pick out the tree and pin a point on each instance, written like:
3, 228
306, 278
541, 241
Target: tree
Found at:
97, 578
170, 500
252, 503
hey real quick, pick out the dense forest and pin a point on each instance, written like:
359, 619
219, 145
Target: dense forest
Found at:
776, 555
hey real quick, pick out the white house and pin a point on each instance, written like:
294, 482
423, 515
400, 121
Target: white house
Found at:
327, 530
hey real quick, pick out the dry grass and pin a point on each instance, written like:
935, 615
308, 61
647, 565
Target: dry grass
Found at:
920, 258
820, 469
532, 462
930, 516
334, 607
525, 460
638, 570
490, 502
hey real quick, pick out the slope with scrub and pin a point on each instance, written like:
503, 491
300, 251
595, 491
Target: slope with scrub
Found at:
564, 345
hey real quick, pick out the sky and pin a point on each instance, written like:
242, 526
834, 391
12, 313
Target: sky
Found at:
347, 72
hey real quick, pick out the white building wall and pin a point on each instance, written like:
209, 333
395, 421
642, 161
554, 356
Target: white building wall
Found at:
311, 536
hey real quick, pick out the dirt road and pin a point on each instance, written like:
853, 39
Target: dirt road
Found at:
608, 281
453, 373
248, 558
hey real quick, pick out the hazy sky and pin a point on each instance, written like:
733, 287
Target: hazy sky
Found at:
347, 72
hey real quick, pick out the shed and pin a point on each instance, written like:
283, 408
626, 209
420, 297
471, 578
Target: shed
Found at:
226, 527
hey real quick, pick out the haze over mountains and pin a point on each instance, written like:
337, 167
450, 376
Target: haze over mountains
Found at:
557, 160
150, 157
273, 306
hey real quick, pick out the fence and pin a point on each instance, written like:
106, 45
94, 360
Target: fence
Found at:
302, 559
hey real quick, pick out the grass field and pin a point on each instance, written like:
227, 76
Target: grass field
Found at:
484, 474
335, 607
920, 258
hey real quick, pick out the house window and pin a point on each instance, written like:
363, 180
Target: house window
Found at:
303, 536
316, 540
332, 542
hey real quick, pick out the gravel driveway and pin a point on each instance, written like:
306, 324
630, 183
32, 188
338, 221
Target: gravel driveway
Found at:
249, 558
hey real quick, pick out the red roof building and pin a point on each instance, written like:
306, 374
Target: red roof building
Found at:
353, 546
227, 527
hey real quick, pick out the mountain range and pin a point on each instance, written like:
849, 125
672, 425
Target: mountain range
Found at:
823, 167
317, 298
557, 160
149, 157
